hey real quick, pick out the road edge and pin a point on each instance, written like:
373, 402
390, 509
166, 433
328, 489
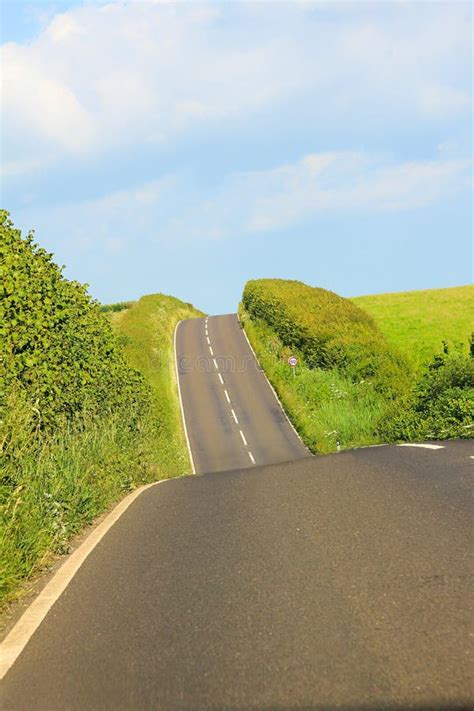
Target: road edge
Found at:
183, 417
19, 636
272, 388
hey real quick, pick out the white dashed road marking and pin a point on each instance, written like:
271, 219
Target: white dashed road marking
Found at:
216, 366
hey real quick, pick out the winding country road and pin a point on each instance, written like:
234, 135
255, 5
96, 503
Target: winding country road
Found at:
232, 415
342, 581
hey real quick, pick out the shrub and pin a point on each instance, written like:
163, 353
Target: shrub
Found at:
76, 423
58, 349
327, 408
328, 330
440, 405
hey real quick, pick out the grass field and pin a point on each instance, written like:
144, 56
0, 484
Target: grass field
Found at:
417, 322
147, 330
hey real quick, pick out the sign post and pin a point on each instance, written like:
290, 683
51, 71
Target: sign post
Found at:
293, 362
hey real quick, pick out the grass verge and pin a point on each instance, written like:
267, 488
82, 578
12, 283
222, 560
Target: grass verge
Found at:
328, 410
147, 332
55, 483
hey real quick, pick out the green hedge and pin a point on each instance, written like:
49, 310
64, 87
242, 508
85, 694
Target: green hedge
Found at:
328, 331
58, 349
76, 425
440, 404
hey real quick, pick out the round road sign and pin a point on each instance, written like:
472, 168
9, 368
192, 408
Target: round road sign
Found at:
293, 361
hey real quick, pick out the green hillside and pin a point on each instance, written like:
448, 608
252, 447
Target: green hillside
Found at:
346, 374
417, 322
364, 375
146, 329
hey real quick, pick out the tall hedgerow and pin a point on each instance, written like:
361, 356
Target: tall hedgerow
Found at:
328, 330
58, 350
440, 404
76, 422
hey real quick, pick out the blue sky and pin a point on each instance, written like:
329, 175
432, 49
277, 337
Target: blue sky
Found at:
187, 147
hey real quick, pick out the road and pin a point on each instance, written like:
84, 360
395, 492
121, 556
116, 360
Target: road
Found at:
233, 418
342, 581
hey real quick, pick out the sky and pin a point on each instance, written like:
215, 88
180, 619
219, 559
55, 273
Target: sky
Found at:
185, 147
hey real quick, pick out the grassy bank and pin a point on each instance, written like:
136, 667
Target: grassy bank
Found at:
146, 330
88, 411
55, 483
353, 386
327, 409
347, 372
417, 322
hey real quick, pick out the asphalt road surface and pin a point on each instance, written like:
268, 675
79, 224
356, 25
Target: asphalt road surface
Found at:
233, 418
342, 581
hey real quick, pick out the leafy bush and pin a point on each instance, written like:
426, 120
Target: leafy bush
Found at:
75, 424
440, 405
328, 330
57, 348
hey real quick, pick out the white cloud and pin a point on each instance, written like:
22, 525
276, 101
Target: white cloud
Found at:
41, 106
63, 27
117, 219
443, 101
14, 168
109, 76
100, 77
288, 196
318, 184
